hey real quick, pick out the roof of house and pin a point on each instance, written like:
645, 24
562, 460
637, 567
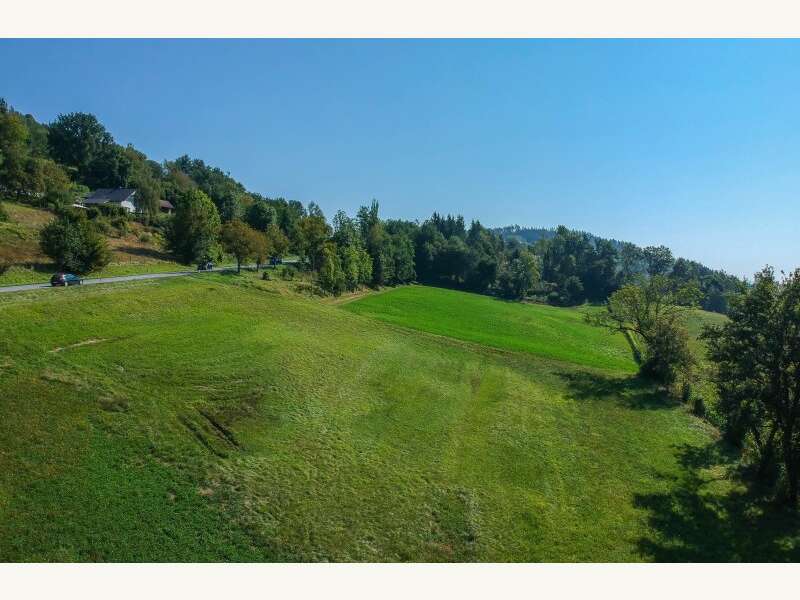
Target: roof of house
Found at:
105, 195
166, 204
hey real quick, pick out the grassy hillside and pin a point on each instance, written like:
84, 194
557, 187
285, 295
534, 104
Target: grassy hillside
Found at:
226, 418
547, 331
19, 236
21, 261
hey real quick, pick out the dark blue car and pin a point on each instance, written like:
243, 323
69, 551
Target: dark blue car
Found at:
65, 279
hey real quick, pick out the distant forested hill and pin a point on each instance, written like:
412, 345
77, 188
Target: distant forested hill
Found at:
531, 235
618, 262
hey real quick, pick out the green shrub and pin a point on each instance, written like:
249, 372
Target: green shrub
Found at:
74, 244
698, 405
145, 237
3, 214
114, 211
158, 222
667, 354
288, 273
685, 391
265, 276
121, 224
102, 225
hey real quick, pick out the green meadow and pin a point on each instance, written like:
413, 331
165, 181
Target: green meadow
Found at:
225, 418
546, 331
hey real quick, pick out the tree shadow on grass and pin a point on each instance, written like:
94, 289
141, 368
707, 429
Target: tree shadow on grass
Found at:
710, 511
702, 520
633, 392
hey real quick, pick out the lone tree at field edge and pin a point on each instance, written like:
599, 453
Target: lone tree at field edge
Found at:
242, 241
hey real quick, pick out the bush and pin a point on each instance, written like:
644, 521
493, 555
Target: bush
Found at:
55, 200
114, 211
102, 225
265, 276
74, 244
122, 225
698, 405
3, 214
288, 273
686, 392
667, 355
157, 223
145, 237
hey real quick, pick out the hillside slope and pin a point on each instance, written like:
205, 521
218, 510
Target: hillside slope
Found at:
21, 260
547, 331
232, 419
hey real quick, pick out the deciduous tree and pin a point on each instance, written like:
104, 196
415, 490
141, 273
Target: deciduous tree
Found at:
650, 316
658, 259
277, 242
261, 215
13, 153
242, 241
313, 232
77, 140
756, 354
192, 232
519, 275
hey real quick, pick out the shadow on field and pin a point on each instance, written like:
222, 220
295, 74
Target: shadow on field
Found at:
694, 524
633, 392
699, 518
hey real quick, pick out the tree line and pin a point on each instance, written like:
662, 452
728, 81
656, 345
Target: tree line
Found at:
54, 165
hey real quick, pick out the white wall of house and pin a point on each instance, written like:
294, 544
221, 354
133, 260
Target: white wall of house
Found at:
127, 205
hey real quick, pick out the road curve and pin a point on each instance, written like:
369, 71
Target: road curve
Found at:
97, 280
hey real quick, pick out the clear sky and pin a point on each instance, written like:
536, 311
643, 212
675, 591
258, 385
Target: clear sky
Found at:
692, 144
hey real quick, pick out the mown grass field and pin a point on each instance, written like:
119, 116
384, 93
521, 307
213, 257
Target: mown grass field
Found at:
547, 331
227, 418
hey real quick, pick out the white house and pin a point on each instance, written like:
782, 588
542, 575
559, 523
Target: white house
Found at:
120, 197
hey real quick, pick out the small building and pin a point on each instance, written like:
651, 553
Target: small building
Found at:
122, 197
165, 206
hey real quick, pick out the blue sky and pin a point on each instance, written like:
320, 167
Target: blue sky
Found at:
692, 144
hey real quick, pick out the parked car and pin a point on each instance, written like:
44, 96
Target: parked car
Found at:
276, 260
205, 266
65, 279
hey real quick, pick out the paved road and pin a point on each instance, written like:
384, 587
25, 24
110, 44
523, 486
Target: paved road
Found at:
97, 280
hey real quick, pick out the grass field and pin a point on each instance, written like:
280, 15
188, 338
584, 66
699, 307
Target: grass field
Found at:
226, 418
547, 331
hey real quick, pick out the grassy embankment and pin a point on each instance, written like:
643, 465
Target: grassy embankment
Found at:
234, 419
21, 260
